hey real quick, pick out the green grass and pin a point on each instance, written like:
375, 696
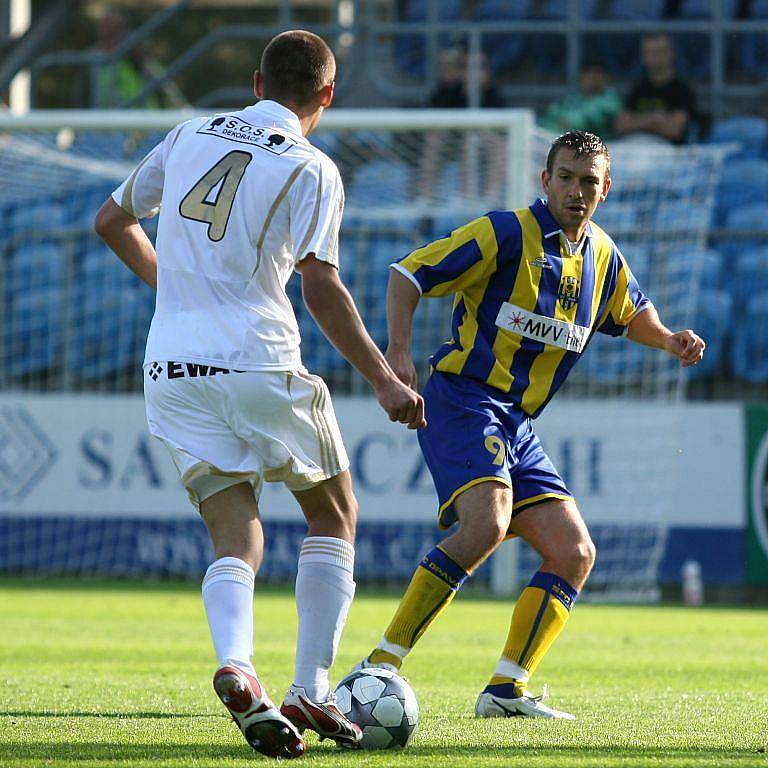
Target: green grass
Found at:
113, 674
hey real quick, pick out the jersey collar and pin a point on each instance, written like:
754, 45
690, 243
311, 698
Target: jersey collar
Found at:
547, 222
278, 115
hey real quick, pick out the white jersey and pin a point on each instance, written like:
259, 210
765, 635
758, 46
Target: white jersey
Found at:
244, 197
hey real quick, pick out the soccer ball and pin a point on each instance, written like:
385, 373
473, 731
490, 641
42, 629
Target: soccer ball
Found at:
382, 704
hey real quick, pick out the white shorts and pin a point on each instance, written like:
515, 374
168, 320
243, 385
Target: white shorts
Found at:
224, 427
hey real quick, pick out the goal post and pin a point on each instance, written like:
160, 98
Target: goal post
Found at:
410, 177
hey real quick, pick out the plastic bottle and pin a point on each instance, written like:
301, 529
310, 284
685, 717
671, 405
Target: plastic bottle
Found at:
693, 588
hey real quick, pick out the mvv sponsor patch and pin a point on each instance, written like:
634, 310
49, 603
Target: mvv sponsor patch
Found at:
558, 333
235, 129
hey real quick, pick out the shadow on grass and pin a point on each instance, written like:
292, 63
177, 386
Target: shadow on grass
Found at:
458, 755
117, 715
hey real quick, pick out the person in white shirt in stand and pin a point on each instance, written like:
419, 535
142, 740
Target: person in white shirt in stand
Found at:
245, 200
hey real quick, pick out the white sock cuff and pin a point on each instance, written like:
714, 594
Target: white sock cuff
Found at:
328, 549
396, 650
508, 668
229, 569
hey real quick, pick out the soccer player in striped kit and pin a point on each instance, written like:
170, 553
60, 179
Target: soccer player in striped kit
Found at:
530, 287
245, 199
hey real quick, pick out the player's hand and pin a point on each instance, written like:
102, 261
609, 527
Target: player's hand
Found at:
688, 346
401, 403
401, 363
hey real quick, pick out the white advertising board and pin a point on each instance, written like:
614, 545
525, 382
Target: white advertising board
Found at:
91, 455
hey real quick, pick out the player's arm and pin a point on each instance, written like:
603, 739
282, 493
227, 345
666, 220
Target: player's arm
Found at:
646, 328
117, 222
124, 235
443, 267
402, 298
334, 310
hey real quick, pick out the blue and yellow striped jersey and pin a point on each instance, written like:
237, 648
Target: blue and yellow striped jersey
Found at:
525, 306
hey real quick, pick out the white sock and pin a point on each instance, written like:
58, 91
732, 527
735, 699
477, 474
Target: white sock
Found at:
228, 599
324, 590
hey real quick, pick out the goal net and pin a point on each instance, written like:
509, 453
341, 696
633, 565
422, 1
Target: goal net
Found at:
75, 320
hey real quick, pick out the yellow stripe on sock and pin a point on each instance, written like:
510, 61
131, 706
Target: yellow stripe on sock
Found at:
537, 621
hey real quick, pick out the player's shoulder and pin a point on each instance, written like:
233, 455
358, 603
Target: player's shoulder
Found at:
506, 225
602, 242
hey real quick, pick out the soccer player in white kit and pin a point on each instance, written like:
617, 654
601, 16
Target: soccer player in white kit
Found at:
245, 200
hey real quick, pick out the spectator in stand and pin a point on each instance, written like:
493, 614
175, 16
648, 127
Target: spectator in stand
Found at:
119, 81
592, 108
478, 169
661, 103
453, 88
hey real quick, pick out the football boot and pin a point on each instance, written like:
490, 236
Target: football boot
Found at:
324, 718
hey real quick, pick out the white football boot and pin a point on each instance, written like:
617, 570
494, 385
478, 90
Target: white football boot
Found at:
367, 664
490, 704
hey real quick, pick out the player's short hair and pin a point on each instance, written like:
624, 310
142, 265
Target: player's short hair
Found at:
580, 143
296, 65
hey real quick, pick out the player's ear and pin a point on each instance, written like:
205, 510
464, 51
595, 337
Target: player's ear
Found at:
545, 177
258, 85
327, 93
606, 187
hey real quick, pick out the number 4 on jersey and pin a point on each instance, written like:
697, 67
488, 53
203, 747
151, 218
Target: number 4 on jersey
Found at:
227, 175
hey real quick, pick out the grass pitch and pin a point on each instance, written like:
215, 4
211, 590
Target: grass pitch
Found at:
113, 674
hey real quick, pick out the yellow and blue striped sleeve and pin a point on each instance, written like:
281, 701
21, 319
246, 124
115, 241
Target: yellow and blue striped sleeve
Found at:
452, 263
625, 301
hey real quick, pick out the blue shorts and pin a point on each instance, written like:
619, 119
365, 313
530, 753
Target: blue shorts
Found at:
472, 436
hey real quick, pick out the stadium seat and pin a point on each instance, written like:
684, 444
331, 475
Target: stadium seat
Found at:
36, 216
749, 132
749, 347
712, 320
749, 220
748, 273
34, 331
758, 9
637, 9
558, 9
380, 183
617, 217
743, 181
502, 10
34, 265
447, 10
108, 330
752, 54
681, 217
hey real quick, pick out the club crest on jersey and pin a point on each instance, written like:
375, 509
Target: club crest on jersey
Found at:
568, 292
234, 129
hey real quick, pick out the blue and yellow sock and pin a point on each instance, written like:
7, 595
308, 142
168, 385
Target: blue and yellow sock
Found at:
540, 615
434, 584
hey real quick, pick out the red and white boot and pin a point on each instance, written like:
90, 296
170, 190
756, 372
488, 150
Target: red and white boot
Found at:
264, 728
324, 718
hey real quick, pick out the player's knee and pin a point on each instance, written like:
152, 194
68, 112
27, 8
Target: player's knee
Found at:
580, 556
485, 534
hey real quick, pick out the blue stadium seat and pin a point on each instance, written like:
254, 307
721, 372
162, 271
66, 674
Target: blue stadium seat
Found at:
743, 181
752, 54
558, 9
447, 10
617, 217
680, 216
750, 220
749, 132
749, 348
607, 360
34, 265
637, 9
36, 216
712, 319
747, 273
380, 183
34, 331
711, 267
758, 9
108, 330
503, 10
